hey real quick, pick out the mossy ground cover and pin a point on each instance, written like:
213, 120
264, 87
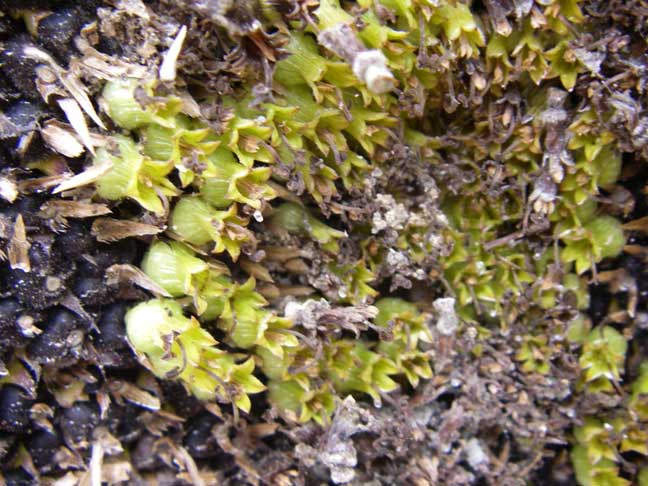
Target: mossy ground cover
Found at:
312, 242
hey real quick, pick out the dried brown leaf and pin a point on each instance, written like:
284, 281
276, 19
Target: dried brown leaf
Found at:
158, 423
103, 66
47, 83
75, 116
256, 270
117, 472
41, 183
88, 176
640, 224
72, 209
296, 290
284, 253
41, 413
123, 390
72, 303
110, 229
20, 375
22, 460
261, 430
119, 273
67, 459
638, 251
69, 479
190, 466
69, 80
60, 139
214, 409
67, 394
269, 291
103, 400
18, 249
296, 266
111, 445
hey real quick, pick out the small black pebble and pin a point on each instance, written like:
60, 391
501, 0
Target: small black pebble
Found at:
93, 291
57, 31
42, 445
18, 477
75, 242
55, 341
18, 67
111, 325
199, 440
78, 421
123, 424
124, 251
14, 409
21, 118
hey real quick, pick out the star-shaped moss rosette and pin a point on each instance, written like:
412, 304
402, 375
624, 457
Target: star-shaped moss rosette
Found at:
602, 357
595, 457
355, 282
240, 310
175, 347
371, 373
121, 105
343, 367
248, 324
132, 175
320, 372
535, 354
198, 223
175, 268
408, 329
221, 166
296, 219
302, 401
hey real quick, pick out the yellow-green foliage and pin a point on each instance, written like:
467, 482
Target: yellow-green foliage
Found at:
176, 347
600, 441
318, 138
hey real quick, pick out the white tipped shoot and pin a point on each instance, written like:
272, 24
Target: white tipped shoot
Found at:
371, 68
368, 65
168, 67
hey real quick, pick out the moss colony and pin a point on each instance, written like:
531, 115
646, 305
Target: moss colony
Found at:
310, 242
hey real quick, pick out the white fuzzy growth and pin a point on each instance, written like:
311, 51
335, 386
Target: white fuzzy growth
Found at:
475, 454
305, 314
8, 189
448, 321
371, 67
